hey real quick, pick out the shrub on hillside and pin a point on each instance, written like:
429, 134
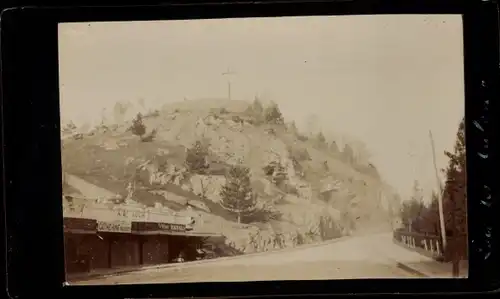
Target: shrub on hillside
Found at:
196, 158
276, 173
70, 127
255, 111
138, 128
272, 115
296, 165
264, 213
149, 137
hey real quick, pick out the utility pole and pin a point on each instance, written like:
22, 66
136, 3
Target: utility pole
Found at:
440, 195
228, 73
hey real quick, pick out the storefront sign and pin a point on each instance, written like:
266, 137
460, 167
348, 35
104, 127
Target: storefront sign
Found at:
114, 226
152, 226
79, 224
172, 227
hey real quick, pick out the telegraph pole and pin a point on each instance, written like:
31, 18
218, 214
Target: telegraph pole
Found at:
440, 195
228, 73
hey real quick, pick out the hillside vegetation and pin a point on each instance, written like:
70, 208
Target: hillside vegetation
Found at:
240, 167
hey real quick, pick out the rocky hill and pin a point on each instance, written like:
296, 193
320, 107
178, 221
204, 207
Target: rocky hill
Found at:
305, 187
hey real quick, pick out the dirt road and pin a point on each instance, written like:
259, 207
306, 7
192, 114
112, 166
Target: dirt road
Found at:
372, 256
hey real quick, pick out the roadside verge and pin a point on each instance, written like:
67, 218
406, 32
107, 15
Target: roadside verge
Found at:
429, 267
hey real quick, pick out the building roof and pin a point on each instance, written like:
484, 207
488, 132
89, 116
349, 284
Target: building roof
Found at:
109, 212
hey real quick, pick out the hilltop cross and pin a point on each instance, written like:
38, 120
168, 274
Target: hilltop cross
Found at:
228, 73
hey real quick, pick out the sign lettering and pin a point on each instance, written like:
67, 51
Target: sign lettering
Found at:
171, 227
115, 226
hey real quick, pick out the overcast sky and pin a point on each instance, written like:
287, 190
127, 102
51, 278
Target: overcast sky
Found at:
386, 80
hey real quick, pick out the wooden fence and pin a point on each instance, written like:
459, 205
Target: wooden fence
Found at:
431, 245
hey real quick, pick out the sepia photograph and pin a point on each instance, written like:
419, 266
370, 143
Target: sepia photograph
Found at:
262, 149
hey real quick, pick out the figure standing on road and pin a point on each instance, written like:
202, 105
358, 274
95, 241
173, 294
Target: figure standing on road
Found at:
294, 239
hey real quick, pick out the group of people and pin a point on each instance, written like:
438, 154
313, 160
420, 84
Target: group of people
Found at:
259, 242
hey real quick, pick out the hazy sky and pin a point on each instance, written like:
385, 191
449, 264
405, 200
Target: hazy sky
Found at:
386, 80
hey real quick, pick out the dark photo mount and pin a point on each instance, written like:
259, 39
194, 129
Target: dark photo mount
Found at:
31, 146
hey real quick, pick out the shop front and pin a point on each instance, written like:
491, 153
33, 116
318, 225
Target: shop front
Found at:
158, 246
79, 235
92, 245
101, 238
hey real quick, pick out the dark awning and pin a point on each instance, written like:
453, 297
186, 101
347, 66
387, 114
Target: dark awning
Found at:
79, 225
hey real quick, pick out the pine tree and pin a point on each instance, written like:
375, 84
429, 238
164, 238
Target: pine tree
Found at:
455, 195
321, 140
348, 154
321, 137
138, 128
292, 128
273, 115
257, 107
334, 147
430, 221
196, 158
237, 195
412, 210
256, 111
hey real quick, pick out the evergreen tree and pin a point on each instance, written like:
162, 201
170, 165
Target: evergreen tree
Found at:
412, 210
334, 147
257, 107
348, 154
292, 128
455, 194
237, 195
256, 111
321, 137
430, 221
138, 128
321, 141
196, 158
273, 115
417, 192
